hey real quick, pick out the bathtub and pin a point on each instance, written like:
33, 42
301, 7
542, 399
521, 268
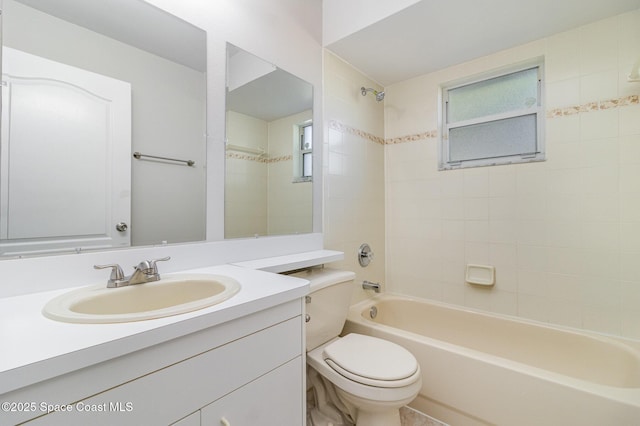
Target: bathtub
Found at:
480, 368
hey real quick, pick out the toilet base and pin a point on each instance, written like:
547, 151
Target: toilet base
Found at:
321, 399
317, 418
372, 413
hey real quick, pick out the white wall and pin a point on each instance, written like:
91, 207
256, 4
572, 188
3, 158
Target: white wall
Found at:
286, 33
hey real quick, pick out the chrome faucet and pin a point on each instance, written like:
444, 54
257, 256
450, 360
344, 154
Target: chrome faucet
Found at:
145, 272
368, 285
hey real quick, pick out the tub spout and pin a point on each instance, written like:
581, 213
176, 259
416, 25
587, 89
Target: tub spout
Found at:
368, 285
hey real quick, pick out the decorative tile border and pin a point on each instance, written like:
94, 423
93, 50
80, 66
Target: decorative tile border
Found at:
433, 134
594, 106
343, 128
280, 158
259, 158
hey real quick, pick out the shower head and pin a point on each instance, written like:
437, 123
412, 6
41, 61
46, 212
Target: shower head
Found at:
379, 95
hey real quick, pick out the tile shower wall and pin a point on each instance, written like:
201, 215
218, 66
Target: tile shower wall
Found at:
260, 197
564, 234
353, 162
246, 177
289, 204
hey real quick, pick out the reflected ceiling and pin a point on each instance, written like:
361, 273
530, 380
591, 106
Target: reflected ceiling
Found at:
273, 96
140, 29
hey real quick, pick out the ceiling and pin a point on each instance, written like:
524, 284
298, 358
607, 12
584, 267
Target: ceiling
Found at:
432, 35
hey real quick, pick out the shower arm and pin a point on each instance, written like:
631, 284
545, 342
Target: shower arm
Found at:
379, 95
364, 91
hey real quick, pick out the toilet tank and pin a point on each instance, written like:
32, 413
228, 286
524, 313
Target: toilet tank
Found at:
327, 304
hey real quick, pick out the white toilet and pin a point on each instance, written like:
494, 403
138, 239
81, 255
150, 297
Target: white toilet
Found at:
365, 378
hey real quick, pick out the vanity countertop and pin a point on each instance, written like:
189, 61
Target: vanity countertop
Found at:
35, 348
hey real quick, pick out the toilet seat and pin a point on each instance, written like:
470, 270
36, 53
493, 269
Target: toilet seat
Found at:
383, 395
371, 361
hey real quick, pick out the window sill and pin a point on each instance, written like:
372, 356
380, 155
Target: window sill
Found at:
301, 179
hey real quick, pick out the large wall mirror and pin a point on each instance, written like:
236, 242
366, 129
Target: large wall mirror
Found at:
269, 149
86, 84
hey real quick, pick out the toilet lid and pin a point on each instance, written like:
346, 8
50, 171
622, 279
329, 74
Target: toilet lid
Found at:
370, 358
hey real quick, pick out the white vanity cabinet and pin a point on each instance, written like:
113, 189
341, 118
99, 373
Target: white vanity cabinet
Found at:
270, 400
247, 369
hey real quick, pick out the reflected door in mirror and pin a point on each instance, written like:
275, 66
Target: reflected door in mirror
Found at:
163, 60
58, 188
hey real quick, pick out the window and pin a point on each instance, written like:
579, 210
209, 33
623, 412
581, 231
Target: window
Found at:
496, 118
303, 164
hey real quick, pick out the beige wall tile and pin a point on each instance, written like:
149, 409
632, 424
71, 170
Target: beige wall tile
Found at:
564, 234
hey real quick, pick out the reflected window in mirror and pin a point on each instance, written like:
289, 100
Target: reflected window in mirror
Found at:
269, 136
303, 171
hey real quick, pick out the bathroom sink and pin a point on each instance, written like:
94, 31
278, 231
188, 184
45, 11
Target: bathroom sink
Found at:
171, 295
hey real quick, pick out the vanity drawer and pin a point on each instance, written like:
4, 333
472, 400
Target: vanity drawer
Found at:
272, 398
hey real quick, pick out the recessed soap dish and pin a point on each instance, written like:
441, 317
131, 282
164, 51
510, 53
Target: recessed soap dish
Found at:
480, 275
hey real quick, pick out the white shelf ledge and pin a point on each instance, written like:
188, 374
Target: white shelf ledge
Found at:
293, 261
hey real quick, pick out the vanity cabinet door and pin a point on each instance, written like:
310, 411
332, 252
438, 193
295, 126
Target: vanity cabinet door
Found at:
271, 400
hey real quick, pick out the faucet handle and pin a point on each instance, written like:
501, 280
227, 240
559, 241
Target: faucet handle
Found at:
365, 255
117, 275
152, 263
144, 267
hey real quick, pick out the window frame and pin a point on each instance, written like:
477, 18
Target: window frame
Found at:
444, 159
300, 153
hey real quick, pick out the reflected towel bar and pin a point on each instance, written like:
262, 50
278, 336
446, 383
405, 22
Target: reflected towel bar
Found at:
138, 155
248, 150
